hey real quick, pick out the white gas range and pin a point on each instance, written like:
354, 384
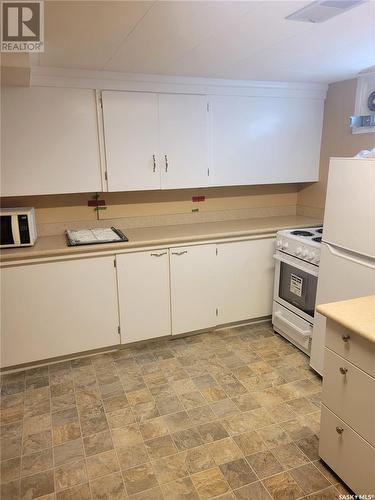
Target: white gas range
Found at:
297, 259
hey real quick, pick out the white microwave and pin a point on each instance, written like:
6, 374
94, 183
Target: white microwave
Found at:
17, 227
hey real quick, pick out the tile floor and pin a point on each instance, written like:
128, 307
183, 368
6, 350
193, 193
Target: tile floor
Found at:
231, 414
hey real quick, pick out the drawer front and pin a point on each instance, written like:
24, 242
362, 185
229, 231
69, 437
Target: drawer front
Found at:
353, 347
350, 456
350, 393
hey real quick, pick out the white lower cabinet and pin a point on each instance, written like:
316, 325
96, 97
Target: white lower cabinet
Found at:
245, 273
193, 288
57, 308
144, 295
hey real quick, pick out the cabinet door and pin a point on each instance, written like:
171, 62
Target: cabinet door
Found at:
58, 308
245, 279
183, 140
144, 295
263, 140
193, 288
50, 141
131, 140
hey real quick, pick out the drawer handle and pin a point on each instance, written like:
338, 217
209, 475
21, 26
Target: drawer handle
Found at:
339, 430
158, 254
153, 163
179, 253
343, 370
346, 338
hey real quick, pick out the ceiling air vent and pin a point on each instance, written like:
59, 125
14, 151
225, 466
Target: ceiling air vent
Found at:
322, 10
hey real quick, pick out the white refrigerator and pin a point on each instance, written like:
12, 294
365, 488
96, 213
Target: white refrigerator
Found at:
347, 263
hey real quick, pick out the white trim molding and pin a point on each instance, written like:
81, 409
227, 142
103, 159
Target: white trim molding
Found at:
107, 80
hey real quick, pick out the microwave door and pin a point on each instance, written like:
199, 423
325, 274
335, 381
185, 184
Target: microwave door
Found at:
10, 235
6, 231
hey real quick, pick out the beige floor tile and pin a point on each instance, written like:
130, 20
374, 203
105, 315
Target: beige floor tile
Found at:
11, 490
132, 455
80, 492
10, 470
253, 491
192, 399
153, 428
309, 479
289, 456
160, 447
238, 473
201, 415
273, 436
264, 464
283, 487
36, 462
37, 485
69, 475
210, 483
170, 468
127, 435
178, 421
97, 443
152, 494
189, 438
68, 452
109, 487
181, 489
250, 442
102, 464
224, 451
199, 459
139, 478
212, 431
224, 408
36, 442
309, 446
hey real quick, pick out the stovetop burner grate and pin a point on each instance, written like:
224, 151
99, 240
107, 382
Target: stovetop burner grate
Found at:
302, 233
318, 239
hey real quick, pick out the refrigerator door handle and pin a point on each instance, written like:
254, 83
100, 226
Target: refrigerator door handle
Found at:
362, 261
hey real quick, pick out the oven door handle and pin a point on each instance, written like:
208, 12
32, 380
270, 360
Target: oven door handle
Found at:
292, 263
304, 333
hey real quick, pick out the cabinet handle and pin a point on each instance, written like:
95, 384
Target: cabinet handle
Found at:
345, 338
158, 254
179, 253
343, 370
166, 163
153, 163
339, 430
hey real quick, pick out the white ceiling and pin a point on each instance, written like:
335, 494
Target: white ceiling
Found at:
219, 39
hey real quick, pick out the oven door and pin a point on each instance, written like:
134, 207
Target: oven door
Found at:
295, 285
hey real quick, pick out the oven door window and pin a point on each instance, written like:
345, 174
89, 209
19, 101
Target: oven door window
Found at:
6, 234
298, 288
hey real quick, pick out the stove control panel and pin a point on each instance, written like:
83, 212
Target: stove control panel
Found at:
308, 253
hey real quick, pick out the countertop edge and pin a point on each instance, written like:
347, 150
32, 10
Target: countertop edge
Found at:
66, 251
334, 312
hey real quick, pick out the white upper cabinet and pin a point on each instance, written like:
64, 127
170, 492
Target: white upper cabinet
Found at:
265, 140
183, 140
131, 140
49, 141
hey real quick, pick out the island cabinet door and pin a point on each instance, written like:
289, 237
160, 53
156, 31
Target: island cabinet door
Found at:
58, 308
193, 288
144, 295
245, 279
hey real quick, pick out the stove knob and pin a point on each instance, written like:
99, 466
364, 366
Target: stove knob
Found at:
298, 251
312, 255
305, 253
285, 245
279, 243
